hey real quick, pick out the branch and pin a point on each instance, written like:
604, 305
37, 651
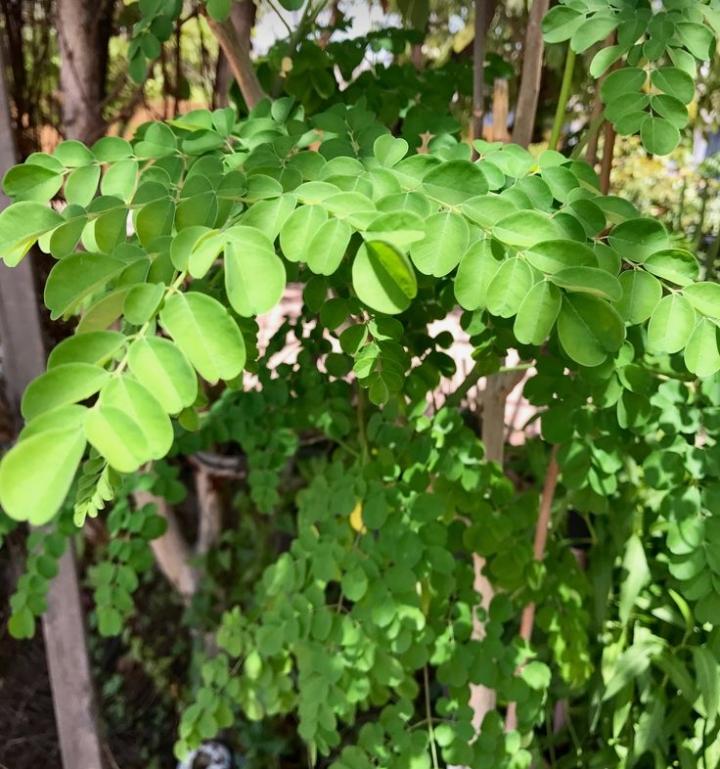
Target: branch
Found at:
541, 534
171, 550
209, 511
236, 48
531, 72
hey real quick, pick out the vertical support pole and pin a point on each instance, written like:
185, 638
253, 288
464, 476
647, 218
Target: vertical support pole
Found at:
63, 623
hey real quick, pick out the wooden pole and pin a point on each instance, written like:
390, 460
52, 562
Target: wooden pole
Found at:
63, 622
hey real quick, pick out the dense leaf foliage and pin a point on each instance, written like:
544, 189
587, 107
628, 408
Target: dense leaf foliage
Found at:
364, 627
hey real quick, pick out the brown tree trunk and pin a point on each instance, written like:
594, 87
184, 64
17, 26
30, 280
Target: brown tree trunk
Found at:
607, 158
482, 12
63, 623
500, 110
530, 79
83, 35
233, 36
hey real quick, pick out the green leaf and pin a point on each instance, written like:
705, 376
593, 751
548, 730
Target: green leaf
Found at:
389, 150
550, 256
299, 229
383, 278
21, 623
605, 58
269, 216
110, 149
659, 135
486, 210
671, 324
206, 334
588, 280
702, 356
73, 154
636, 239
455, 182
254, 274
446, 239
641, 293
218, 9
21, 224
81, 185
589, 329
32, 182
158, 142
36, 474
629, 665
69, 417
697, 38
204, 252
142, 302
527, 228
117, 437
120, 180
160, 366
560, 22
97, 347
537, 313
621, 82
592, 31
670, 108
67, 383
103, 312
673, 264
77, 276
154, 220
674, 82
708, 680
636, 577
326, 250
129, 396
704, 297
509, 287
477, 268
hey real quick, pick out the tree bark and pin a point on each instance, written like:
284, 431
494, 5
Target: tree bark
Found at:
530, 79
233, 36
83, 34
63, 623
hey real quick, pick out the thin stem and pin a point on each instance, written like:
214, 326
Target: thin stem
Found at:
563, 98
281, 17
542, 527
428, 715
362, 434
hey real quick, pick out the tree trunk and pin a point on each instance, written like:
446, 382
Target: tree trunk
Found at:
607, 158
530, 79
500, 111
63, 627
484, 12
83, 34
233, 36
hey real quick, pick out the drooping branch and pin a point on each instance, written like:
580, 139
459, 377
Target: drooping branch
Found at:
530, 79
233, 36
542, 528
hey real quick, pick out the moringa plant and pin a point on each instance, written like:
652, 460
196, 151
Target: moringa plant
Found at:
601, 641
